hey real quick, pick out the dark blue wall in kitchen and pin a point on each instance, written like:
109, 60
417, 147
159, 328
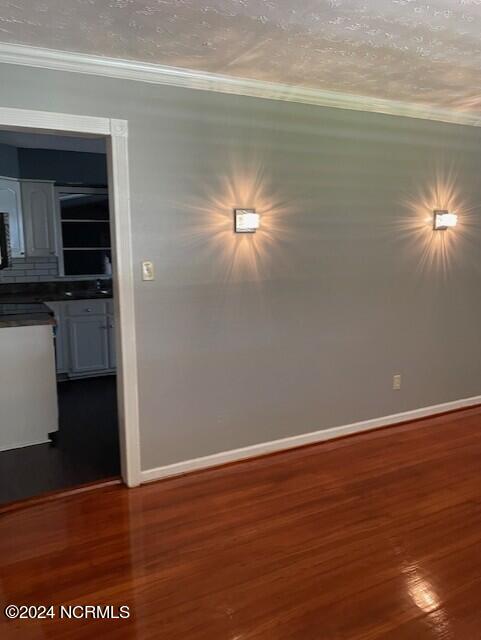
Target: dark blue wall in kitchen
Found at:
9, 161
65, 167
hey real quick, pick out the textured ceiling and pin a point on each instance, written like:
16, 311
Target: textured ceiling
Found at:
411, 50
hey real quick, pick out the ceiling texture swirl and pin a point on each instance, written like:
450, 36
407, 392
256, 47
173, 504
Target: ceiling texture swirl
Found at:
407, 50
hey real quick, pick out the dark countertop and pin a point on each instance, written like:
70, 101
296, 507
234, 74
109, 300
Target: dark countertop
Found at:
16, 314
29, 320
55, 291
16, 298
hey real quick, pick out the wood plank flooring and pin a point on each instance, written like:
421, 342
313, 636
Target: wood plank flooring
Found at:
377, 536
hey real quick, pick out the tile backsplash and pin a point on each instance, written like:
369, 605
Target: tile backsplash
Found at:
31, 269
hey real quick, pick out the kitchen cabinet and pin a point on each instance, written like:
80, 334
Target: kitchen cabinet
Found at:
11, 203
31, 216
38, 207
83, 228
61, 343
111, 325
85, 338
89, 345
111, 331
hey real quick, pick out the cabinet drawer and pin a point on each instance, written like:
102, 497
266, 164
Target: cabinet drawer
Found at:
86, 308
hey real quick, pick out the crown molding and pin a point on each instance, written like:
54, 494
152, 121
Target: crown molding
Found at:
201, 80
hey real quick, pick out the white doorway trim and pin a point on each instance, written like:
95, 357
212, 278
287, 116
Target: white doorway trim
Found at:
116, 134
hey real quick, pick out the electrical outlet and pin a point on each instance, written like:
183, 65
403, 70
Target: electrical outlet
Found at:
148, 270
396, 381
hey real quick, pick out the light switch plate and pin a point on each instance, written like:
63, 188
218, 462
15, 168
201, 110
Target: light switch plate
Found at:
396, 381
148, 270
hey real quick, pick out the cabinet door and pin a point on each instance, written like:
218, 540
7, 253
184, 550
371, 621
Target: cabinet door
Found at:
112, 354
89, 345
11, 203
38, 218
61, 353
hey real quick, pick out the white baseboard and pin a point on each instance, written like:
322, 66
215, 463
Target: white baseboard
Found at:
291, 442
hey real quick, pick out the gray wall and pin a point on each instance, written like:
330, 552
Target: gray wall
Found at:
300, 327
9, 161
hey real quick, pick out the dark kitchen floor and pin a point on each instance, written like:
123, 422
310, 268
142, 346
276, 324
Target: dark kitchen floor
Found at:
87, 447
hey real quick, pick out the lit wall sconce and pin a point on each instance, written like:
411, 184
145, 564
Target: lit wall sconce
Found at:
444, 219
246, 220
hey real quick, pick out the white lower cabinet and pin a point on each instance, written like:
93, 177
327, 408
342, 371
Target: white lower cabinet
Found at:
89, 344
61, 346
85, 344
111, 331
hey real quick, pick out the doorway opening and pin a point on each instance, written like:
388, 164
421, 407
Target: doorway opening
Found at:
66, 417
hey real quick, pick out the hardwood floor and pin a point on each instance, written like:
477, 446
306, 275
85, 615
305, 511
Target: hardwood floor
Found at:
374, 536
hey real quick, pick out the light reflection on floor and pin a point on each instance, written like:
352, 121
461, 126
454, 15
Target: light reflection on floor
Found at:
424, 596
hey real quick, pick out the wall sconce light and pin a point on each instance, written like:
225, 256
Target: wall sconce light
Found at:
444, 219
246, 220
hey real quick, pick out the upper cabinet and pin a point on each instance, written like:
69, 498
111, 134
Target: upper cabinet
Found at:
11, 203
38, 202
72, 223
